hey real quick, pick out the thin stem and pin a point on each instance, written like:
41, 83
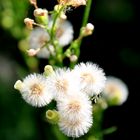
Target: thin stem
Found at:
54, 22
86, 12
84, 22
52, 35
85, 17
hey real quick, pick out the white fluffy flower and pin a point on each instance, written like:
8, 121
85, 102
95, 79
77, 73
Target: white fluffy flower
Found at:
76, 105
37, 39
34, 90
64, 31
60, 82
75, 128
115, 91
75, 115
91, 77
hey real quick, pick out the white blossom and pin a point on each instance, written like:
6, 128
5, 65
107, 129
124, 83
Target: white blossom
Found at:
75, 106
75, 115
115, 91
91, 77
34, 90
37, 40
60, 82
64, 31
75, 128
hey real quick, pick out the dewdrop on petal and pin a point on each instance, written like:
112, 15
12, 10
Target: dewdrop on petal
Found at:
91, 77
34, 90
115, 91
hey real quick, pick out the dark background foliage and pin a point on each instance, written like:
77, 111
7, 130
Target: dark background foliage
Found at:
114, 46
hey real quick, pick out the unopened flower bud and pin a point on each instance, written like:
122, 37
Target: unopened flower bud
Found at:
29, 23
48, 70
63, 16
41, 16
33, 52
40, 12
87, 30
52, 116
57, 7
18, 84
73, 58
90, 27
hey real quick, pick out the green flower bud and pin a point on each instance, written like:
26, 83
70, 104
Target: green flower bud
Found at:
18, 84
41, 16
48, 69
52, 116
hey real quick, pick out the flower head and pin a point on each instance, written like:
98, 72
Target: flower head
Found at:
91, 77
60, 82
34, 90
75, 115
74, 3
64, 31
115, 91
75, 106
75, 128
37, 40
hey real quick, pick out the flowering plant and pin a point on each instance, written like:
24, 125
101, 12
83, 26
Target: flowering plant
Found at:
78, 92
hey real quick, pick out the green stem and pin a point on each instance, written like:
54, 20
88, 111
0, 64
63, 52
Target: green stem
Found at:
57, 61
85, 18
84, 22
54, 22
86, 12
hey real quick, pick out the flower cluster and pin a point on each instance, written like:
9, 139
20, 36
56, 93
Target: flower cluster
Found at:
74, 87
51, 31
71, 89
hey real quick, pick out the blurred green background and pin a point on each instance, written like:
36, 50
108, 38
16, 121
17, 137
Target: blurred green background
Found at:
114, 45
